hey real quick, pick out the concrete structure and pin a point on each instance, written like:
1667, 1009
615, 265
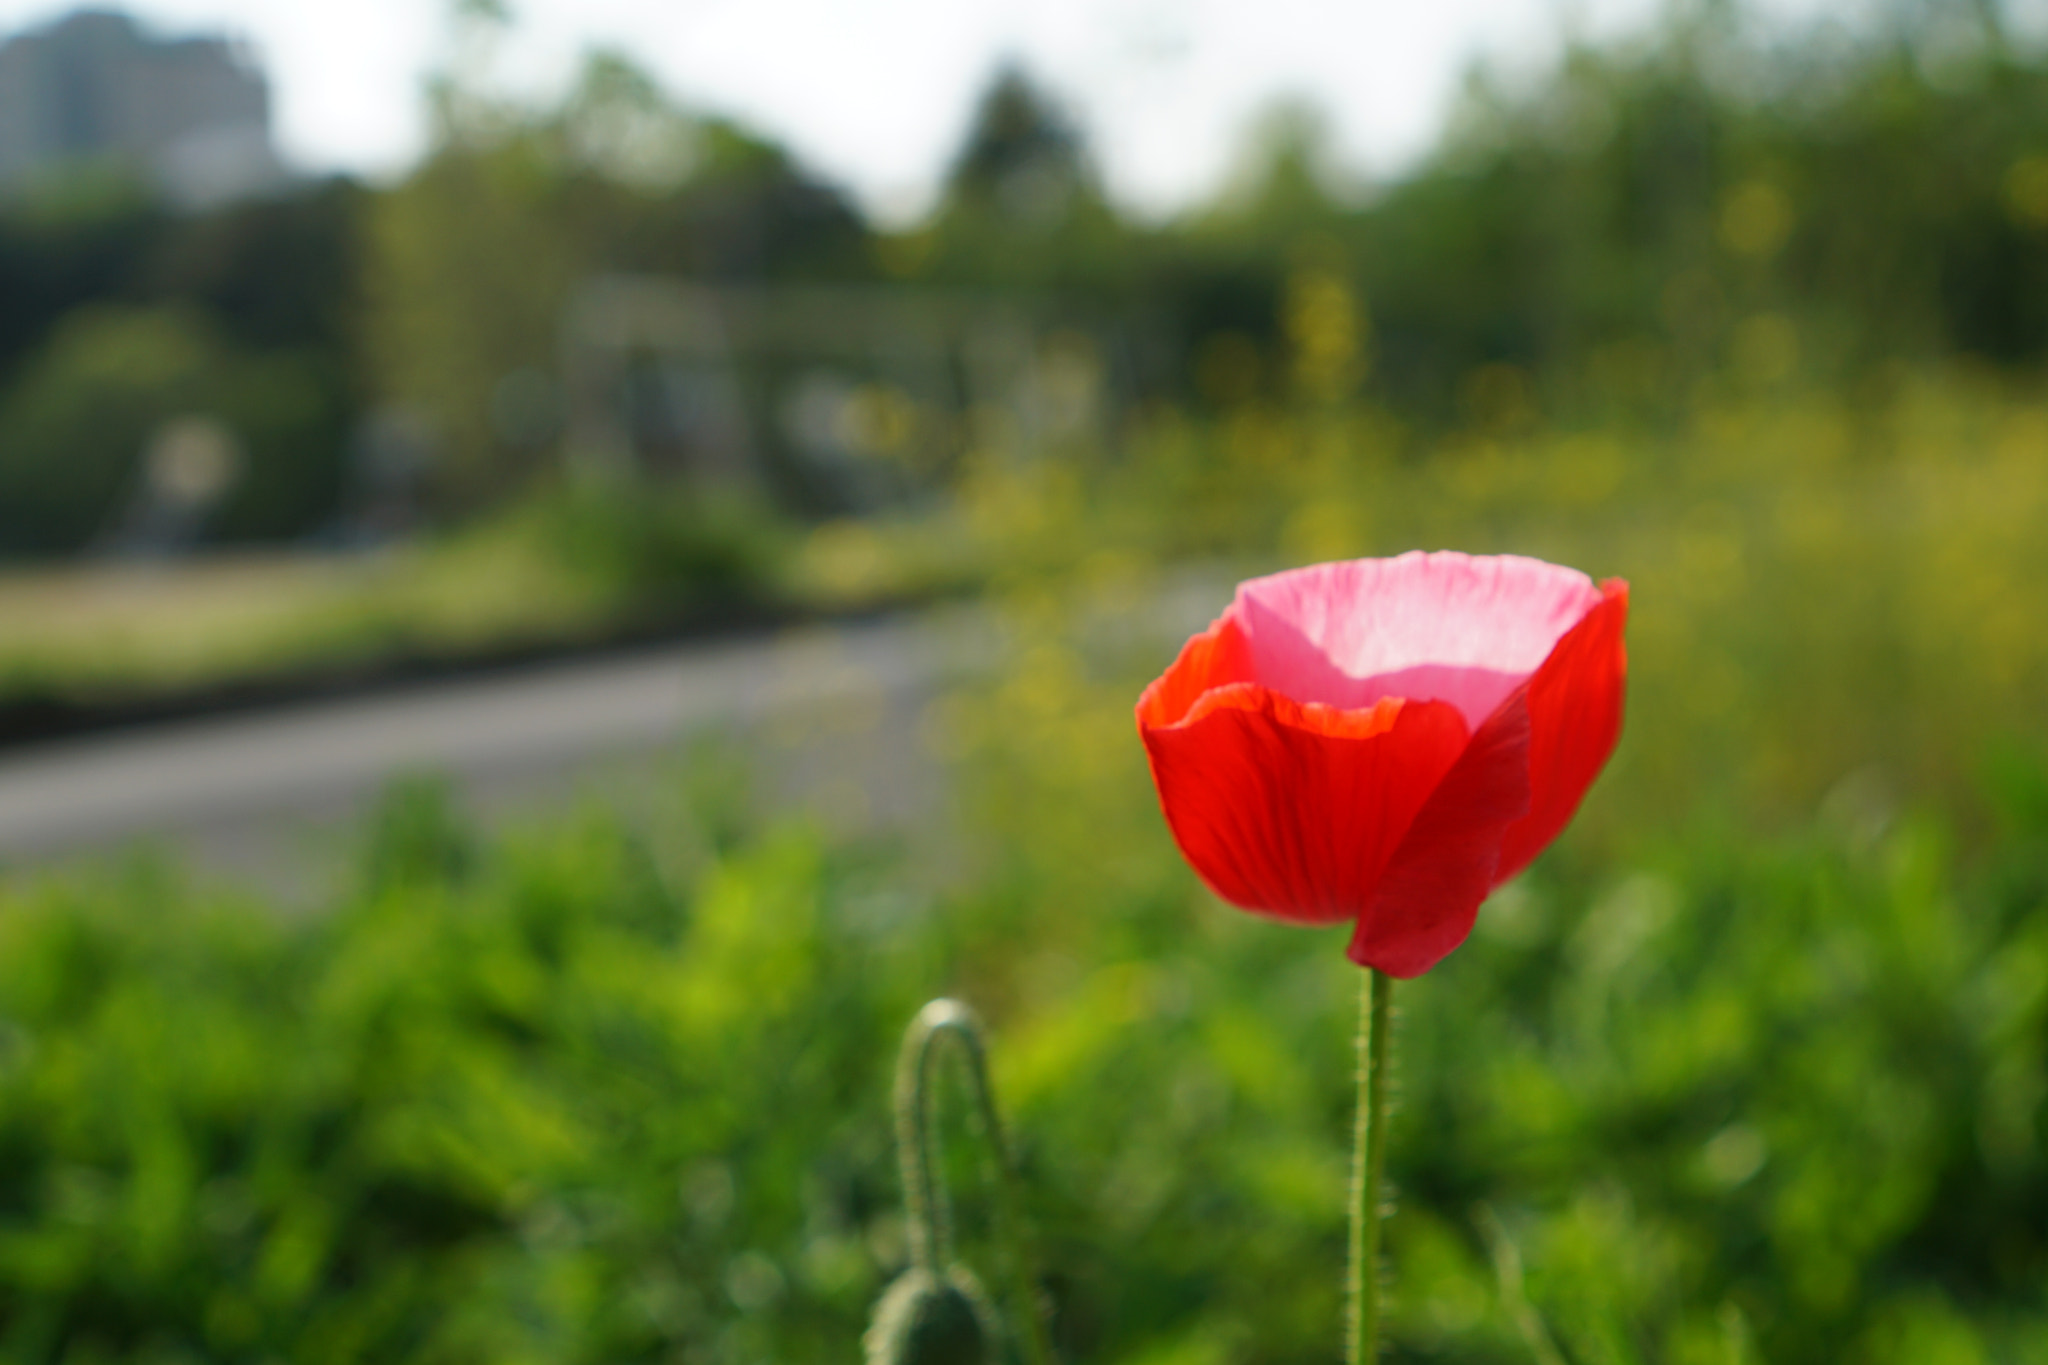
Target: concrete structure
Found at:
189, 115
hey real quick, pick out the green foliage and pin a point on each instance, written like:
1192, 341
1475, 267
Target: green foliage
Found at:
279, 273
672, 551
1663, 206
74, 426
244, 314
77, 240
530, 1104
616, 1089
1023, 208
77, 423
473, 261
465, 279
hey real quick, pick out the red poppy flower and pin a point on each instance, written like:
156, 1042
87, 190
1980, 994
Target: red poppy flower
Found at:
1387, 740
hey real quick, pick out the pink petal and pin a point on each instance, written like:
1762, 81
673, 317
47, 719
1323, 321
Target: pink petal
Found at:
1451, 627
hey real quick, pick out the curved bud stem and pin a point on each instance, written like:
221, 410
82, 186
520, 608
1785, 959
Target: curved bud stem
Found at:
931, 1230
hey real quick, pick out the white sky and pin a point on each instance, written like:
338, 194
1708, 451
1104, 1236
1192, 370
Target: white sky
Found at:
875, 94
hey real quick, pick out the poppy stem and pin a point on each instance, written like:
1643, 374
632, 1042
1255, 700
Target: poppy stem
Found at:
1368, 1164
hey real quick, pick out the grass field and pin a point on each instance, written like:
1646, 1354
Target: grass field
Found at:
563, 568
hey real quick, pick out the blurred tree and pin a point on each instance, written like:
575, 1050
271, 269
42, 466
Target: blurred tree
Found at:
472, 259
259, 294
1022, 156
678, 192
1847, 189
1023, 205
273, 272
1283, 185
74, 239
469, 263
73, 429
1237, 273
1717, 203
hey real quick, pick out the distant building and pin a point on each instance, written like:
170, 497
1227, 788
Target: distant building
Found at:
189, 115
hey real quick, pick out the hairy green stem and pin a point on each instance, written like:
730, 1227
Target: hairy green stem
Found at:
1368, 1163
931, 1232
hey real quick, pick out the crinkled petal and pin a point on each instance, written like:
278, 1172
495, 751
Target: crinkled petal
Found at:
1216, 658
1291, 810
1575, 706
1430, 894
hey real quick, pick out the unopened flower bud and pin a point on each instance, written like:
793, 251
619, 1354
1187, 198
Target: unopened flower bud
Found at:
928, 1319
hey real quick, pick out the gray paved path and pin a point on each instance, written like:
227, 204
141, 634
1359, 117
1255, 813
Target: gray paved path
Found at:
841, 704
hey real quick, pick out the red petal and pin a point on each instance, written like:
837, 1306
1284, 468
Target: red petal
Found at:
1217, 657
1575, 702
1430, 893
1293, 810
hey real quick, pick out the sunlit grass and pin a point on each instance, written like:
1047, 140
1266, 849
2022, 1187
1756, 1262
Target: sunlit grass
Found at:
557, 569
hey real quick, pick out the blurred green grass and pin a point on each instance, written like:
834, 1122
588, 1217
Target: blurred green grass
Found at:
617, 1089
568, 565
